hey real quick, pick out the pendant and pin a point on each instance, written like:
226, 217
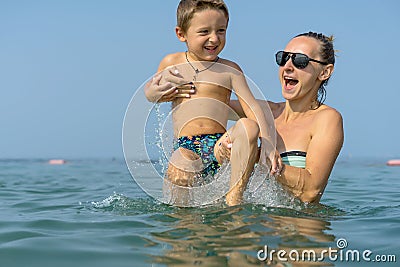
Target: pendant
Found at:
195, 74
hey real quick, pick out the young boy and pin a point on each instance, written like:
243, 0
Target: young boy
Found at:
200, 121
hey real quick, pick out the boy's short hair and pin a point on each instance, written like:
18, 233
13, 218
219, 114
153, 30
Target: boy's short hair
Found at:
187, 8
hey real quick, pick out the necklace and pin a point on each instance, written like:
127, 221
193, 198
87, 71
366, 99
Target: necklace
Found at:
197, 71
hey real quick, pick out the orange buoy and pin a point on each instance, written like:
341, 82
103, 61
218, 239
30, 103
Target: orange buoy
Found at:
393, 162
57, 161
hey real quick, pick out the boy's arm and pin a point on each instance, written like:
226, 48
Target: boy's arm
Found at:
252, 109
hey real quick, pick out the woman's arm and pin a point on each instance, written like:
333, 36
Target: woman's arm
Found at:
326, 142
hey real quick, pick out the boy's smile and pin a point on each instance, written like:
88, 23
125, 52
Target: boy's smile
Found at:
211, 49
205, 37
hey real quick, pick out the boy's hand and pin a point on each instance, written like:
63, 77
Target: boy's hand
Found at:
270, 157
277, 164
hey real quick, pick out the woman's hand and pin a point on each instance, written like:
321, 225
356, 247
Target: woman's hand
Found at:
173, 86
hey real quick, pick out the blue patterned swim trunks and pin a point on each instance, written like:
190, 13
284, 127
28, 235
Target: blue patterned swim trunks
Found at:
202, 145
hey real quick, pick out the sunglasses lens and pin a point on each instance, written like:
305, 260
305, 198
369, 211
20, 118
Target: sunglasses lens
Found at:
300, 61
281, 58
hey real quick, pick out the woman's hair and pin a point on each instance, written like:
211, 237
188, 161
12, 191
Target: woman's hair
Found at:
327, 54
187, 8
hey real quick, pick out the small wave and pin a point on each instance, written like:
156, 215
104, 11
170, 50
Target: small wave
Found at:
15, 236
129, 206
383, 211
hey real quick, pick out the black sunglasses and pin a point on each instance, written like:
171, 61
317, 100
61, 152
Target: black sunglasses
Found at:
299, 60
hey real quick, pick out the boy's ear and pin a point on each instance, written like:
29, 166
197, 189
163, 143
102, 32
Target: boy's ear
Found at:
326, 72
180, 34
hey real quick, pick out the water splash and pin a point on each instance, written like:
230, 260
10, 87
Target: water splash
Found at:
262, 188
271, 193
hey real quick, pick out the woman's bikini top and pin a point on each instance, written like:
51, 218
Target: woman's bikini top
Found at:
294, 158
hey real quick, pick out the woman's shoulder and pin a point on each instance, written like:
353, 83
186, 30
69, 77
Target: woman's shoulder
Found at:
327, 117
325, 112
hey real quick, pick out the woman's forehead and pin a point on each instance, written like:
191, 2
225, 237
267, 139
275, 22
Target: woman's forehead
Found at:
303, 44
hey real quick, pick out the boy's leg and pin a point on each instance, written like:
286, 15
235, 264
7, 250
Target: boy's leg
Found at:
244, 154
183, 166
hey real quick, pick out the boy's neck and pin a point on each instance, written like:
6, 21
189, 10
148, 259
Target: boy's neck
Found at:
197, 70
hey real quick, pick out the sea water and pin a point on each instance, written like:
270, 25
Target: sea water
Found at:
90, 212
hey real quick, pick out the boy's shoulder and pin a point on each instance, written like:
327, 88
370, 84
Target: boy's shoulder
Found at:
230, 63
172, 59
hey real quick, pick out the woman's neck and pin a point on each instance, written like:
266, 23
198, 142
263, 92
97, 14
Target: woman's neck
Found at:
297, 108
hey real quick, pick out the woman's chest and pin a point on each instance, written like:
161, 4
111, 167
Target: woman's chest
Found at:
294, 135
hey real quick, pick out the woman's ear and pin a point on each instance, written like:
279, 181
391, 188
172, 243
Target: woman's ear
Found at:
180, 34
326, 72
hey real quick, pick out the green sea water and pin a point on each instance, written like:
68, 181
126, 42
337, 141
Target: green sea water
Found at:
90, 212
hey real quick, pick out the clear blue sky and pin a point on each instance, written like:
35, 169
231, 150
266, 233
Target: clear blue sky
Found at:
68, 69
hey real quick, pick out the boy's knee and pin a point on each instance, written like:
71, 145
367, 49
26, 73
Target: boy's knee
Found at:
250, 127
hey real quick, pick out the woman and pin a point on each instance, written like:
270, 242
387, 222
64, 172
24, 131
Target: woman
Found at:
309, 133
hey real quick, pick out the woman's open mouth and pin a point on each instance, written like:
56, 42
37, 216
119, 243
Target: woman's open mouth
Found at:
290, 82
